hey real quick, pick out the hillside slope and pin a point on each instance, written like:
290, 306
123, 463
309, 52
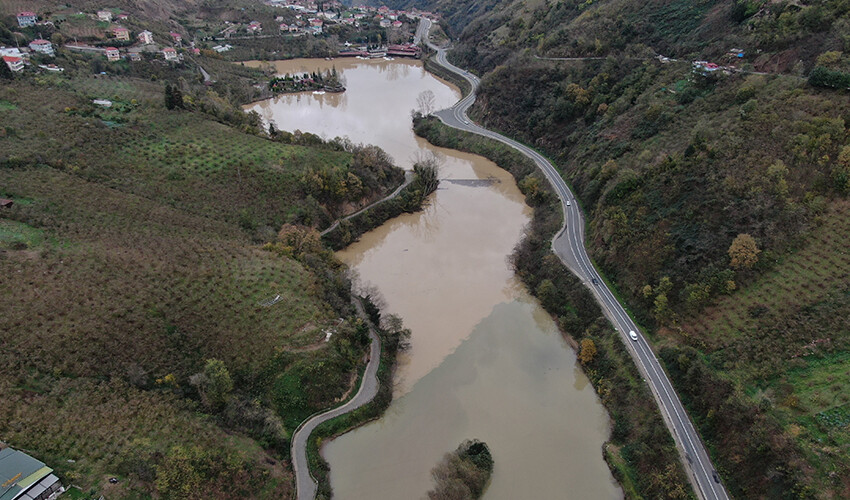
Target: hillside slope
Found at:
148, 331
701, 186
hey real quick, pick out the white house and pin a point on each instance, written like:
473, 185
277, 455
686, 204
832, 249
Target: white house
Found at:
170, 53
14, 63
27, 18
42, 46
112, 54
104, 15
146, 37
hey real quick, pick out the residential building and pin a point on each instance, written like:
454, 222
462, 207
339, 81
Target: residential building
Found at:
14, 63
254, 27
112, 54
12, 52
385, 23
121, 33
23, 477
170, 53
27, 18
396, 24
104, 15
146, 37
42, 46
177, 37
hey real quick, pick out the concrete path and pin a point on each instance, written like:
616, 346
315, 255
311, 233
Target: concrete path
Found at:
306, 486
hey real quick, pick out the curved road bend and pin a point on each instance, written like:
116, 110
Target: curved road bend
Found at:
305, 484
568, 245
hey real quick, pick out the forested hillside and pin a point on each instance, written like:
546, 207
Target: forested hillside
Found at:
715, 194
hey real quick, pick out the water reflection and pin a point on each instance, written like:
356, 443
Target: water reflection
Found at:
385, 91
486, 361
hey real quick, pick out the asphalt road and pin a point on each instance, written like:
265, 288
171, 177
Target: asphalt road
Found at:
568, 245
305, 485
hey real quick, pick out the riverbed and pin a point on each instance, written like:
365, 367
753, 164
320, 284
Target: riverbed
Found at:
486, 361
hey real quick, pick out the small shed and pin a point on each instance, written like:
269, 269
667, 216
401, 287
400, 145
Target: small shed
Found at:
6, 203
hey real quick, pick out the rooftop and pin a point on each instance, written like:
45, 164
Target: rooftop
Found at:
18, 472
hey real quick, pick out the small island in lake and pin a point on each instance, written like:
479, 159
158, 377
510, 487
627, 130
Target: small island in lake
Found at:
329, 81
464, 473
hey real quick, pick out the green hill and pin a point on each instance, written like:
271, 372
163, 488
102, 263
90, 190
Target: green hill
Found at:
148, 332
672, 162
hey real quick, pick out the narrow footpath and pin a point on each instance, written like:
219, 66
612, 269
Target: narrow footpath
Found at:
306, 486
568, 245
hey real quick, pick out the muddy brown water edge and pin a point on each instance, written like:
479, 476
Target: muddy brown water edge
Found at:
486, 361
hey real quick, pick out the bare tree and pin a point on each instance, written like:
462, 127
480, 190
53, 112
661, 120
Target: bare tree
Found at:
425, 102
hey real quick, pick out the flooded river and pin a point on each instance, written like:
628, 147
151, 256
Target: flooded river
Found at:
486, 361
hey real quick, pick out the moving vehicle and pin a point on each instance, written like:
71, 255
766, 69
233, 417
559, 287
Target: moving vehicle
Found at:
633, 335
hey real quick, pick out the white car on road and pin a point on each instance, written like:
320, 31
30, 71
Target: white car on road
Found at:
633, 335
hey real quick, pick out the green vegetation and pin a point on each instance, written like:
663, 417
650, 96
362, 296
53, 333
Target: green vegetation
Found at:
408, 200
641, 453
394, 338
159, 325
464, 473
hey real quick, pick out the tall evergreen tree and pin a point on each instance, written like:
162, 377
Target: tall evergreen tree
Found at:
5, 72
169, 96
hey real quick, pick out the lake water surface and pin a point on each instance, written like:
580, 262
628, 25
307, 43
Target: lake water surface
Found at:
486, 361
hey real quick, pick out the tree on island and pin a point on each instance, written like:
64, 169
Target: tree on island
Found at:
464, 473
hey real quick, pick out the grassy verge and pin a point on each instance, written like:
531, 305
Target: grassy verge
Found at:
450, 76
643, 456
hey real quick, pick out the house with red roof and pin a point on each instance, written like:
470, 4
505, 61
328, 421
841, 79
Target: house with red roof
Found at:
112, 54
121, 33
170, 53
27, 18
14, 63
42, 46
177, 37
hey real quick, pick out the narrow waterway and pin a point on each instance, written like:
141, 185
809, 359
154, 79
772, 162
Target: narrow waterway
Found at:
486, 362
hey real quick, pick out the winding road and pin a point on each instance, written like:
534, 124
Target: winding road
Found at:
568, 245
305, 485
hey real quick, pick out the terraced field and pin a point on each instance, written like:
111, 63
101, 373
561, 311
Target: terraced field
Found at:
785, 339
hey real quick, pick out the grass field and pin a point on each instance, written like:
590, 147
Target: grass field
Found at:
785, 340
806, 276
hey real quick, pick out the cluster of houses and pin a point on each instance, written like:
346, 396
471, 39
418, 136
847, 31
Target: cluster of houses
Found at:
309, 19
17, 58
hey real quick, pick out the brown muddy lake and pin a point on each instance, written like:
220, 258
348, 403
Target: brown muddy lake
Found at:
486, 361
